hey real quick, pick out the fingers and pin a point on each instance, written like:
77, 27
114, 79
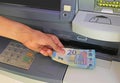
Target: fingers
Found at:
56, 44
45, 44
56, 47
45, 51
56, 40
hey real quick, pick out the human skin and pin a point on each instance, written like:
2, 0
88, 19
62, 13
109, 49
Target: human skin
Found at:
33, 39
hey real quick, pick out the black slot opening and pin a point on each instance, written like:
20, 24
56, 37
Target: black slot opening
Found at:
43, 4
81, 45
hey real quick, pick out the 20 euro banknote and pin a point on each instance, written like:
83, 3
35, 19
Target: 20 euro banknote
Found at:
81, 58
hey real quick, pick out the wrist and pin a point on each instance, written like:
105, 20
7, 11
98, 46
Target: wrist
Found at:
14, 30
24, 33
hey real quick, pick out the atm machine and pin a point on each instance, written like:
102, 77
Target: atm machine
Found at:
98, 22
92, 24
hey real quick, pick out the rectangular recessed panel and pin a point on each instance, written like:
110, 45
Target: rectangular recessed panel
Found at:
42, 68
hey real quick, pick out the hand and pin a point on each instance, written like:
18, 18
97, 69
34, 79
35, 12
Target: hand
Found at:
44, 43
33, 39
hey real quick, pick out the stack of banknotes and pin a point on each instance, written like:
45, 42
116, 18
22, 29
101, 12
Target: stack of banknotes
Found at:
82, 58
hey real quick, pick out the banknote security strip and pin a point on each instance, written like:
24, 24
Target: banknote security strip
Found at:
80, 58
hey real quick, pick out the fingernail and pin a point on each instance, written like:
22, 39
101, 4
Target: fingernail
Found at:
63, 51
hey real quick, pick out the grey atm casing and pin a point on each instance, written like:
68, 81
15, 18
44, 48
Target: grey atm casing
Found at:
43, 68
58, 23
